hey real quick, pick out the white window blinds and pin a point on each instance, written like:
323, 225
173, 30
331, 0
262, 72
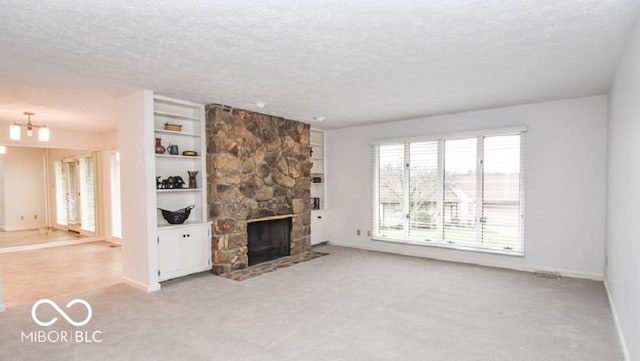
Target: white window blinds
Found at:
465, 192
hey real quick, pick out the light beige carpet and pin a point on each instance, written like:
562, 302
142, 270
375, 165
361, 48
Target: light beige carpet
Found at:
349, 305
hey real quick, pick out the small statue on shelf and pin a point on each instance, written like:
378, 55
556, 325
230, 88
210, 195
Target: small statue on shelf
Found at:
173, 182
192, 179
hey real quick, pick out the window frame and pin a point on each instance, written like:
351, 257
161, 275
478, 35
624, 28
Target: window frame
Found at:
440, 242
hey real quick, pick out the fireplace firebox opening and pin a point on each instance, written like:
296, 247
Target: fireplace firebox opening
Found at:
268, 239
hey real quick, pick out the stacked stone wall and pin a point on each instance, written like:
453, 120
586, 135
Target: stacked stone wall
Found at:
257, 166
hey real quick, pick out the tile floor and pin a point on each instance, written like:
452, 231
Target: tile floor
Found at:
30, 275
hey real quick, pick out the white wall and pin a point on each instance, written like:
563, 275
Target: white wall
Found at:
565, 183
139, 250
2, 308
623, 224
60, 138
1, 195
110, 146
24, 189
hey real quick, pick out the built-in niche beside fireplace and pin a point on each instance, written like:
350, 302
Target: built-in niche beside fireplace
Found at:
258, 166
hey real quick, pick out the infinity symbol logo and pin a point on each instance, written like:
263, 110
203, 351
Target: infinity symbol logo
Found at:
61, 312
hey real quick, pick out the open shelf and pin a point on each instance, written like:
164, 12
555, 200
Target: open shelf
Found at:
185, 224
179, 190
178, 156
173, 132
175, 116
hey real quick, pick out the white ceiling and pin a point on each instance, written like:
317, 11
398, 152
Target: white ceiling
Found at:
351, 61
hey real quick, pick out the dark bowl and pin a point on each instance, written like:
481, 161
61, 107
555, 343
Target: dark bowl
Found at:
177, 217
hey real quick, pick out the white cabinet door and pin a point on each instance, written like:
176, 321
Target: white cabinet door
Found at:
183, 250
319, 232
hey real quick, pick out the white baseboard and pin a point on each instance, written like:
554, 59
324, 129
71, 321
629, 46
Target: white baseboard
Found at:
380, 247
32, 247
140, 286
32, 227
2, 309
116, 241
625, 350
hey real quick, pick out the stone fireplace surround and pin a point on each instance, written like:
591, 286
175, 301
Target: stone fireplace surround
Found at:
257, 166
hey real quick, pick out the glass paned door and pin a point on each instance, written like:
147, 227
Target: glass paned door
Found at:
87, 194
76, 198
71, 196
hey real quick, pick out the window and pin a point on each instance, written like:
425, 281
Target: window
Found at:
116, 221
87, 193
463, 192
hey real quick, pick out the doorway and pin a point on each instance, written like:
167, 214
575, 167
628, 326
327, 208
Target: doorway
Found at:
75, 205
64, 235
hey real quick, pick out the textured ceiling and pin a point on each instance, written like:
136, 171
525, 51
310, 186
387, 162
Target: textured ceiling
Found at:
350, 61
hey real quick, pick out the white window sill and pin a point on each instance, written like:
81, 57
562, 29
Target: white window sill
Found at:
450, 246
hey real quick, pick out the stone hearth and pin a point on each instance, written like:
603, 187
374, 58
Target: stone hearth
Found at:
257, 166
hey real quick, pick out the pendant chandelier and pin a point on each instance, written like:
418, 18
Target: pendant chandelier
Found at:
15, 129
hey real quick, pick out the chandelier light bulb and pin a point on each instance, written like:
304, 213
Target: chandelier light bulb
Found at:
43, 134
14, 132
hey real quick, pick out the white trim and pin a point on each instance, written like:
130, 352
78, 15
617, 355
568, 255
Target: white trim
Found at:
25, 228
2, 308
154, 287
114, 240
449, 136
460, 247
623, 343
379, 247
44, 245
165, 99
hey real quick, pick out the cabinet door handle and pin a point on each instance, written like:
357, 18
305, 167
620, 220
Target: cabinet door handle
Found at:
319, 217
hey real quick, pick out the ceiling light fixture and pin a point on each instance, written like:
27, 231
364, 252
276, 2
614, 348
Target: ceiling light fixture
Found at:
319, 119
260, 104
14, 129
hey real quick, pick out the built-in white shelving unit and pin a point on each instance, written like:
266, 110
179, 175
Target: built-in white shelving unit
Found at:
182, 248
319, 232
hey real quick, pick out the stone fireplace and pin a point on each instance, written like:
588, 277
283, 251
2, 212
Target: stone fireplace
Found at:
257, 168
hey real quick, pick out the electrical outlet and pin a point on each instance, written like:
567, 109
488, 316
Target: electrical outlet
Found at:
357, 232
22, 218
368, 233
35, 216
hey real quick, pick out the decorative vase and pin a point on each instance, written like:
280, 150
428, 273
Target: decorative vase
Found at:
159, 148
192, 178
